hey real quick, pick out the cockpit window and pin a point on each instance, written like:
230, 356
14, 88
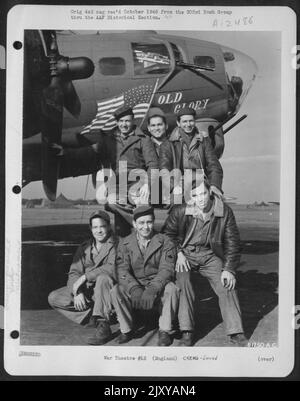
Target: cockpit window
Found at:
205, 62
112, 66
150, 59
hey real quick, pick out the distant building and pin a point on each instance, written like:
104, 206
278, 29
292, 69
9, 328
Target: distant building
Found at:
29, 204
61, 202
257, 204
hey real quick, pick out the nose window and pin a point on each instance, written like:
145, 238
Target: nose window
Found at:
205, 62
241, 71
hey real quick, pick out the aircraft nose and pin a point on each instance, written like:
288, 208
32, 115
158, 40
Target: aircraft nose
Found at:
242, 71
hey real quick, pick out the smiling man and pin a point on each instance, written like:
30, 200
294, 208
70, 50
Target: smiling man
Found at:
128, 151
157, 127
188, 149
208, 243
91, 278
145, 270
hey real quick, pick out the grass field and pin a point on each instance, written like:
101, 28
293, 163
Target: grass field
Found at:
267, 217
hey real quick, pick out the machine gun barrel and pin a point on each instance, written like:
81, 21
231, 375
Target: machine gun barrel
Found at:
235, 123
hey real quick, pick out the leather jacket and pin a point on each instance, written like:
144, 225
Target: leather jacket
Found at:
202, 154
223, 232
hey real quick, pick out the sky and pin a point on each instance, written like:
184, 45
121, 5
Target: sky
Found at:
251, 159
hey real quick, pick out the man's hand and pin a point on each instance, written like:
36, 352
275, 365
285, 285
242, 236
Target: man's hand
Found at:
203, 134
102, 193
78, 284
215, 191
177, 190
80, 303
148, 298
136, 295
182, 264
144, 194
228, 280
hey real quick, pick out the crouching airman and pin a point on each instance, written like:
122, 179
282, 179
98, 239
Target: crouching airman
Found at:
91, 278
146, 272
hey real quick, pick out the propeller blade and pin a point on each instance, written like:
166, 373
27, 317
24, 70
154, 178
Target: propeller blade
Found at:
51, 124
71, 99
94, 179
50, 157
53, 96
50, 171
52, 104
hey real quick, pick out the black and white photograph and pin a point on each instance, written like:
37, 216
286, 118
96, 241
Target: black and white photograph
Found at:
156, 167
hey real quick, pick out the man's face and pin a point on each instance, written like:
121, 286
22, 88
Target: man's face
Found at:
125, 124
157, 127
187, 123
100, 229
200, 196
144, 226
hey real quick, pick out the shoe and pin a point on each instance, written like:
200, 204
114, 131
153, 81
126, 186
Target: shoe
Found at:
124, 337
93, 322
187, 338
164, 339
239, 340
102, 335
113, 318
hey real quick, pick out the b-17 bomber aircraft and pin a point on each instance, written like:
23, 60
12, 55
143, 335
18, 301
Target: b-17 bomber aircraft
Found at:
74, 82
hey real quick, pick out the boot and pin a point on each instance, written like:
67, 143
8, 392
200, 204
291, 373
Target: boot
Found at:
239, 340
102, 334
164, 339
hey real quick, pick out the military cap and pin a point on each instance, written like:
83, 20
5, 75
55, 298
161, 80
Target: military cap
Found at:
144, 210
191, 183
155, 112
186, 111
101, 214
196, 183
123, 111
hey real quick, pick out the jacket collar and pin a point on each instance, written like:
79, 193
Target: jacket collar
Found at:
136, 131
104, 250
132, 243
176, 135
218, 208
135, 137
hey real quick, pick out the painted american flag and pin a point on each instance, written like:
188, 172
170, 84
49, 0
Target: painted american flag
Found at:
139, 99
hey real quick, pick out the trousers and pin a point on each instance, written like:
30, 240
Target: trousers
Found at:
99, 302
121, 301
209, 266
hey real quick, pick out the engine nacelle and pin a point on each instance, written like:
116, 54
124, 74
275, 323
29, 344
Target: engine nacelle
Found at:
76, 67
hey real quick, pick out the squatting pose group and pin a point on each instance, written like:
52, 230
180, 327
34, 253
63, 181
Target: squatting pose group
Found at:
118, 275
